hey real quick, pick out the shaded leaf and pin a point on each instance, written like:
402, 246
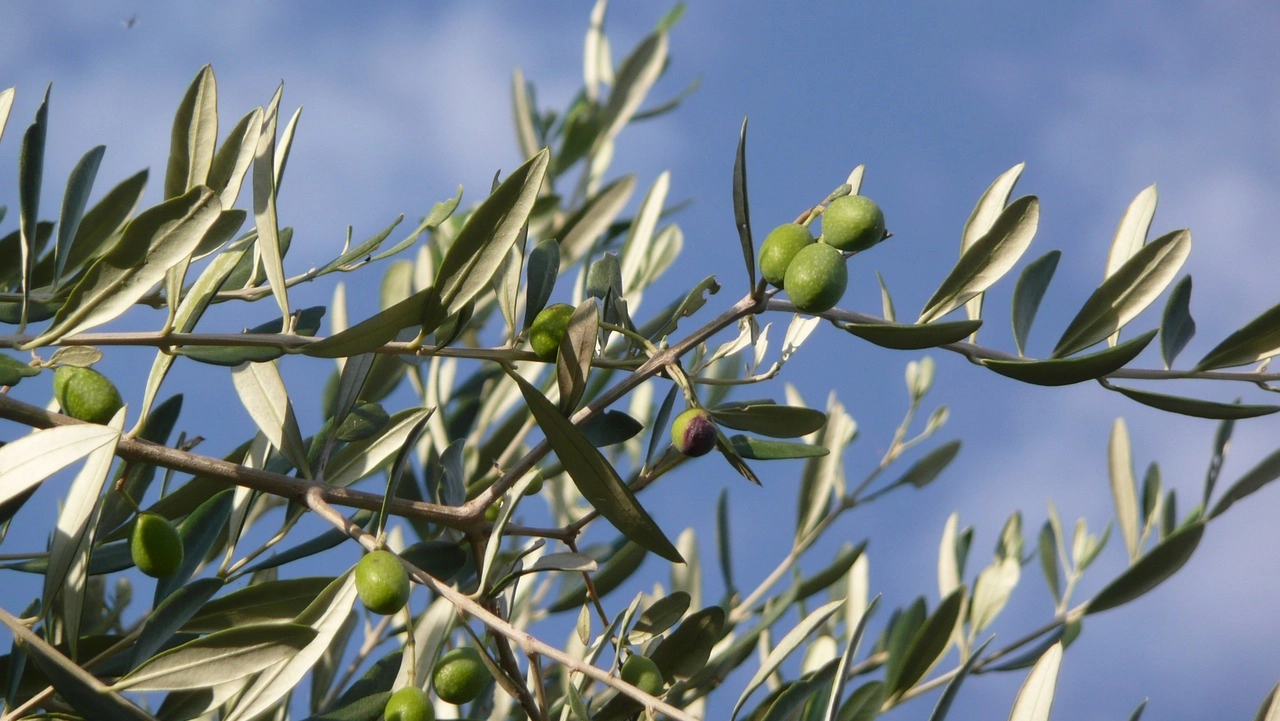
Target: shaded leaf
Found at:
685, 651
742, 206
13, 370
595, 477
74, 200
948, 697
864, 703
541, 271
929, 644
1176, 326
930, 466
635, 77
1126, 293
1065, 371
913, 337
795, 638
618, 565
172, 614
610, 427
1267, 470
1150, 570
1027, 294
261, 603
1195, 407
265, 189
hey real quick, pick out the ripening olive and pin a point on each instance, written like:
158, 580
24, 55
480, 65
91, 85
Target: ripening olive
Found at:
548, 328
780, 246
816, 278
155, 546
693, 432
460, 676
643, 673
852, 223
382, 583
86, 394
409, 704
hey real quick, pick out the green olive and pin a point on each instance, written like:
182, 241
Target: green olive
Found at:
693, 432
643, 673
780, 246
460, 676
155, 546
816, 278
548, 328
852, 223
382, 583
409, 704
86, 394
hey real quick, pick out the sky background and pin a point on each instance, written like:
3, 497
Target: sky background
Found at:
403, 101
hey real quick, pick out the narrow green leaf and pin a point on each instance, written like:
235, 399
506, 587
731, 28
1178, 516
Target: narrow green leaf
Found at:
864, 703
264, 204
362, 458
541, 270
72, 534
886, 300
581, 230
199, 532
194, 135
85, 693
1177, 327
483, 243
724, 547
610, 427
952, 690
758, 450
261, 603
171, 614
620, 563
913, 337
988, 259
1267, 470
577, 348
13, 370
661, 615
1027, 294
232, 161
262, 391
27, 461
1124, 486
742, 206
769, 419
30, 177
794, 639
1195, 407
1048, 552
930, 466
929, 644
74, 200
1065, 371
1035, 698
100, 226
826, 577
686, 650
154, 241
983, 217
595, 477
1259, 339
1151, 570
423, 307
1126, 293
219, 658
635, 77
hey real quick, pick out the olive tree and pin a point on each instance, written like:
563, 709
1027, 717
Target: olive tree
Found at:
473, 431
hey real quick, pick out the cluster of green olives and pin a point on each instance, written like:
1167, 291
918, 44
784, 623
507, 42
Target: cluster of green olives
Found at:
812, 271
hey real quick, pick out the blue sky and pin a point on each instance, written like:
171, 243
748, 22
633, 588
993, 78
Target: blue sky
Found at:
403, 101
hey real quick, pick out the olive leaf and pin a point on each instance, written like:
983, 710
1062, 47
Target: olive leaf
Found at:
595, 477
1126, 292
74, 200
219, 657
1177, 327
1035, 698
987, 259
1259, 339
154, 241
1027, 294
984, 215
912, 337
742, 206
1150, 570
264, 204
1066, 371
194, 135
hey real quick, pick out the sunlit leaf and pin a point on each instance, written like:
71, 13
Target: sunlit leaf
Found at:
34, 457
1035, 698
264, 204
794, 639
261, 603
983, 217
154, 241
1124, 487
635, 77
219, 657
262, 391
194, 135
1259, 339
1126, 293
988, 259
